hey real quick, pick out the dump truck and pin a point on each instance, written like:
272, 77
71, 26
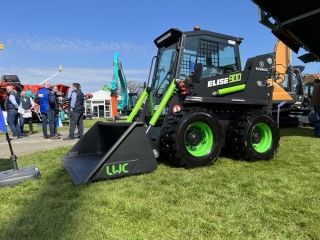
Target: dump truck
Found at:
198, 103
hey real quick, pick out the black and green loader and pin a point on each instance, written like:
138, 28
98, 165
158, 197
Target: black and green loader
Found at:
197, 104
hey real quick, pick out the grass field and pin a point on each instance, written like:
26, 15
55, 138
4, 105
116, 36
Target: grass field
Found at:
277, 199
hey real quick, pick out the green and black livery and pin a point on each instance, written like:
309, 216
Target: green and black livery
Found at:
198, 103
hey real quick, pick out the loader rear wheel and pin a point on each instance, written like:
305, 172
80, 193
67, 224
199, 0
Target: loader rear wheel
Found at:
192, 138
254, 136
261, 137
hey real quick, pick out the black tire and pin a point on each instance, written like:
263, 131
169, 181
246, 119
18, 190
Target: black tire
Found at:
253, 136
192, 138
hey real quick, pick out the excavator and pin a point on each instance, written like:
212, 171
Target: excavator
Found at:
127, 100
295, 26
296, 29
288, 86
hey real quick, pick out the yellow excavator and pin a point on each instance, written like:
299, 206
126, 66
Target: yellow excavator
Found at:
288, 86
295, 28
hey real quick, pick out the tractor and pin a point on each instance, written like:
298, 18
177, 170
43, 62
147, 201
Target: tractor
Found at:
197, 104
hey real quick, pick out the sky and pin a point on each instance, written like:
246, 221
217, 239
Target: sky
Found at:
83, 35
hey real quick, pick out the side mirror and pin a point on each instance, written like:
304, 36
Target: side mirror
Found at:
197, 72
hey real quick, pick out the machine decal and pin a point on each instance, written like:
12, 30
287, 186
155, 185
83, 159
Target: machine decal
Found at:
222, 81
176, 108
261, 67
116, 169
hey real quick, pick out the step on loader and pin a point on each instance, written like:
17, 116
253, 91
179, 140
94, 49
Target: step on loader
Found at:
198, 103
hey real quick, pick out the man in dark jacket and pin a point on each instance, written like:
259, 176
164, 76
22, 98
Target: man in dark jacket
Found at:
27, 104
76, 108
306, 101
315, 105
56, 94
12, 103
47, 103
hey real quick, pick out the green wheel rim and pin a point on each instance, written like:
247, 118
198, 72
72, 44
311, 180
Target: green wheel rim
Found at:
265, 137
207, 139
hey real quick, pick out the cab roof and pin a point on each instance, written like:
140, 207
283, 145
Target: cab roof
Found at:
173, 34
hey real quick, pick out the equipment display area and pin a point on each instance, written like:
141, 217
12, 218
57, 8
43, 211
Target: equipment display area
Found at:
200, 102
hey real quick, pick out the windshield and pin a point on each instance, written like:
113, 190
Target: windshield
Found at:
164, 69
218, 56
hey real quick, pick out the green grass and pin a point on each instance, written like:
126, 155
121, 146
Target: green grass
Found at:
277, 199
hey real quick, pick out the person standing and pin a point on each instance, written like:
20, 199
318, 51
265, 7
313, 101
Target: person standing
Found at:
56, 108
315, 105
76, 109
27, 104
306, 101
12, 103
47, 102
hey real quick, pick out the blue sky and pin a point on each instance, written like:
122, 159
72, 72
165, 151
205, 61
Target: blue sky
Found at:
83, 35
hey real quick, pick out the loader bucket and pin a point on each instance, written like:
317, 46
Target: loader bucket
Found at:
110, 150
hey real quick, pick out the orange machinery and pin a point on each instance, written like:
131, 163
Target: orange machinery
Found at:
288, 85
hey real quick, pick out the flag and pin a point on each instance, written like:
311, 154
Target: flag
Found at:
3, 127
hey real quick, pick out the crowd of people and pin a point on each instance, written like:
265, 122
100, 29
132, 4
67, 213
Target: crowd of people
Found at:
19, 111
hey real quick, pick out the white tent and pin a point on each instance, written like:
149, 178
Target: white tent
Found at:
100, 104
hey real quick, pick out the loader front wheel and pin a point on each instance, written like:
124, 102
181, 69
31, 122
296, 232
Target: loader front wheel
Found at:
198, 139
195, 138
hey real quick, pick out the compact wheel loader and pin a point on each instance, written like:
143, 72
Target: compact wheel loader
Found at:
198, 103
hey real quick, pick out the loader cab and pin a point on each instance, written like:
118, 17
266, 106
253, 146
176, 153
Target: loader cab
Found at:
218, 54
179, 52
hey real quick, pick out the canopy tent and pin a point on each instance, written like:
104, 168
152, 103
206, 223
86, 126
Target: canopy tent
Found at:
295, 24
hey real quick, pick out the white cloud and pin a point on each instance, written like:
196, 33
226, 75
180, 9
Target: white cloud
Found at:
91, 79
61, 45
